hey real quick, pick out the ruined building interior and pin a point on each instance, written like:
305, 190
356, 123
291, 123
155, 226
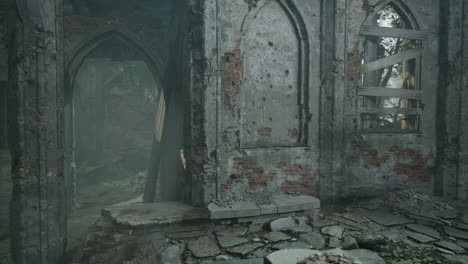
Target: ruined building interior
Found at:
233, 131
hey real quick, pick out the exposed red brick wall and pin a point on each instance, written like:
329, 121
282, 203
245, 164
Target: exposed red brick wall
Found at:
409, 162
247, 171
418, 167
231, 72
266, 131
293, 132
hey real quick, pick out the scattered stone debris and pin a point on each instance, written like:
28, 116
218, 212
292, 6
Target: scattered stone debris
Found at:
203, 247
378, 230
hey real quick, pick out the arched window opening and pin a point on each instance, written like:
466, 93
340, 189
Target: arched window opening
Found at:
115, 100
391, 95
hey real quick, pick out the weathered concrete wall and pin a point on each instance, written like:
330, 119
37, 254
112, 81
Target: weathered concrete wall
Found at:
35, 111
286, 104
463, 137
377, 161
449, 180
267, 110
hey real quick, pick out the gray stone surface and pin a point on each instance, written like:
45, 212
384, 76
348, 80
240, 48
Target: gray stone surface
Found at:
231, 231
421, 238
334, 231
245, 249
387, 219
456, 232
282, 224
426, 230
300, 229
291, 245
226, 242
276, 236
296, 255
236, 261
172, 254
235, 210
143, 215
464, 217
293, 203
314, 239
186, 234
266, 209
203, 247
450, 246
349, 242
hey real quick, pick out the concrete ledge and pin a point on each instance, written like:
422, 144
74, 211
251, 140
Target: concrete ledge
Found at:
292, 203
143, 215
237, 209
280, 203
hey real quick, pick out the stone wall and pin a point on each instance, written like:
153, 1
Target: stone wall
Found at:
287, 106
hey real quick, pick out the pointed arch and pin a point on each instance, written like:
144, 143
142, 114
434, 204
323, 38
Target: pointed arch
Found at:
76, 57
291, 27
403, 10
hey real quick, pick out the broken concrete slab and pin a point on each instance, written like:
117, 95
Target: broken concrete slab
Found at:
349, 242
245, 249
291, 245
464, 217
203, 247
282, 224
276, 236
387, 219
232, 231
455, 232
462, 226
426, 230
314, 239
235, 261
450, 246
298, 255
172, 254
334, 231
421, 238
293, 203
266, 209
235, 210
187, 234
227, 242
144, 215
462, 244
300, 229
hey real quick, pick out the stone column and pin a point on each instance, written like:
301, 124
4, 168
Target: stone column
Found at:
35, 109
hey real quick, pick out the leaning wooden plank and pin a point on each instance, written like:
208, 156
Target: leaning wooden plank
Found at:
391, 60
394, 32
390, 92
390, 111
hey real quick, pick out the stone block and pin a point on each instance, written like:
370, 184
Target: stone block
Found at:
292, 203
236, 210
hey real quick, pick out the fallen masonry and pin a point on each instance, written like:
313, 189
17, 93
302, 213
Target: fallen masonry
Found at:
377, 230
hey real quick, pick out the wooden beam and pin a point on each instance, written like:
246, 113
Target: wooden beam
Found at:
390, 111
394, 32
391, 60
390, 92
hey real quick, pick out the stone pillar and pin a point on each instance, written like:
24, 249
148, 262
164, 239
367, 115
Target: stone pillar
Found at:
35, 109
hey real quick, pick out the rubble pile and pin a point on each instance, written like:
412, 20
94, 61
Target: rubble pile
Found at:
397, 228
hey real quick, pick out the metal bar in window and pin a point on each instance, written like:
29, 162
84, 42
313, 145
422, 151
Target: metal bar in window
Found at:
390, 92
391, 60
390, 111
394, 32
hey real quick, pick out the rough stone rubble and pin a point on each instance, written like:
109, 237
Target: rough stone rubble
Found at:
402, 227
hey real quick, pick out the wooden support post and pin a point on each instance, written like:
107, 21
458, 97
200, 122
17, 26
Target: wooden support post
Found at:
35, 109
